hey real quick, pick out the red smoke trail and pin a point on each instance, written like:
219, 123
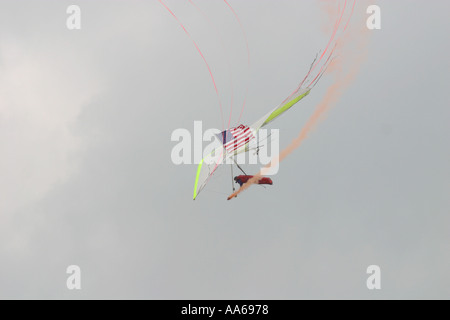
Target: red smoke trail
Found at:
335, 29
351, 14
322, 67
230, 75
342, 81
332, 37
248, 53
242, 28
203, 57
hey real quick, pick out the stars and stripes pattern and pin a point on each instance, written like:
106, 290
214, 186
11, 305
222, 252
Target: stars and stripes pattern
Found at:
236, 138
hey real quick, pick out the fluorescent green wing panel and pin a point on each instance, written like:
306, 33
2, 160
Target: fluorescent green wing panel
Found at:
287, 105
207, 167
282, 108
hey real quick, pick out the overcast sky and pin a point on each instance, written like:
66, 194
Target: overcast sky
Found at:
87, 179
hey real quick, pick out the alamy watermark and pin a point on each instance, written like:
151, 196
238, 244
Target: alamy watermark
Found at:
261, 149
374, 20
374, 280
73, 21
74, 280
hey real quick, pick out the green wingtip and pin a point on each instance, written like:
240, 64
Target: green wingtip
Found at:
199, 169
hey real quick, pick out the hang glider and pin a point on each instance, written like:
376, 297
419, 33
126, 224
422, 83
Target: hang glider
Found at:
236, 140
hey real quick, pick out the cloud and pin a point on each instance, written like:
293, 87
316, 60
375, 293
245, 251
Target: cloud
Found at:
41, 95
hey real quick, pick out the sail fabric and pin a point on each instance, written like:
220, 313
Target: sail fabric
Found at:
207, 167
282, 108
235, 138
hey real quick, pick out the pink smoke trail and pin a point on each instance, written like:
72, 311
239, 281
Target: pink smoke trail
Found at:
351, 14
230, 75
342, 81
203, 57
248, 55
335, 29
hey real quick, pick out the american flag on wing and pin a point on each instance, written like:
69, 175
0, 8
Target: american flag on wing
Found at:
235, 138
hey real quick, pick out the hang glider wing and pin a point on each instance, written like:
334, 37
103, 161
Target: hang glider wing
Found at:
236, 140
282, 108
207, 167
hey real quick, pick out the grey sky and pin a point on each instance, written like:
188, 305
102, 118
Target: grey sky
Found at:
85, 124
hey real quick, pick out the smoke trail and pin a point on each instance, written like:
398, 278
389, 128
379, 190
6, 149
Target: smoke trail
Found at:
328, 8
351, 14
345, 69
248, 55
225, 51
203, 57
